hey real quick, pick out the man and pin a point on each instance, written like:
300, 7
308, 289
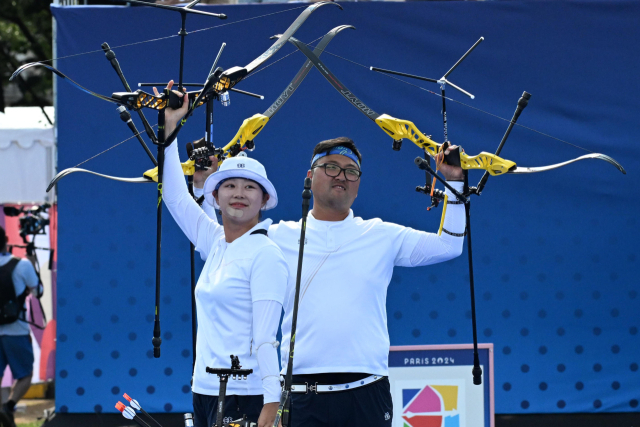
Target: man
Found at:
15, 342
342, 341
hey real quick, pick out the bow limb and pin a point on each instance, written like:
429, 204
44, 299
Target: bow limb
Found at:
253, 125
596, 156
69, 171
65, 78
188, 168
234, 75
287, 34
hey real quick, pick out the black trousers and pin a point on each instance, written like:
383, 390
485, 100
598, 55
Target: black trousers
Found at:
368, 406
205, 408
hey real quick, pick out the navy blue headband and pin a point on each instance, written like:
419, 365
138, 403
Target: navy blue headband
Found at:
343, 151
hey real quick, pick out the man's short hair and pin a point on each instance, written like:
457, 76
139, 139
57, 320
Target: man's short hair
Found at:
324, 146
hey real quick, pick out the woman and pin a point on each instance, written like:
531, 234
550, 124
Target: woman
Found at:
241, 289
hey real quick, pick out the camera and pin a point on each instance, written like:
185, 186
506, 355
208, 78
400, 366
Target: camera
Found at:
32, 222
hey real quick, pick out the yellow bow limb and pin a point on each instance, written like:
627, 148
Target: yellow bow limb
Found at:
188, 168
399, 129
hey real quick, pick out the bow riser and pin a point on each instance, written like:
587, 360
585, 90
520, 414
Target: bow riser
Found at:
404, 129
249, 129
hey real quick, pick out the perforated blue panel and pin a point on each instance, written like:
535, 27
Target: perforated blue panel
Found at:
556, 259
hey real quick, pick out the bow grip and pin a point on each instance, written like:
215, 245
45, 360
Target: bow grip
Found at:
453, 158
175, 101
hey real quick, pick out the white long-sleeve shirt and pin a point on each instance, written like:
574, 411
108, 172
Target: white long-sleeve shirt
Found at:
239, 294
346, 270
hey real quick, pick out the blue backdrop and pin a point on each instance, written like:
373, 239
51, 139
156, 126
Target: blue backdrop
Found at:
556, 258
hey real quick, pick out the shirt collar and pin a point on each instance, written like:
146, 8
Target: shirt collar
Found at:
313, 221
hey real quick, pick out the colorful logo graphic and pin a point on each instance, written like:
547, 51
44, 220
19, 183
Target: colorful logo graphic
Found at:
431, 406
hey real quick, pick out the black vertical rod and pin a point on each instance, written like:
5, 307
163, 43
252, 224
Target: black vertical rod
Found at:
125, 116
111, 57
208, 133
477, 370
194, 321
183, 34
522, 103
221, 398
283, 408
157, 340
444, 113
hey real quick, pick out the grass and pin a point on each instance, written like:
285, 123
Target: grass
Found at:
31, 424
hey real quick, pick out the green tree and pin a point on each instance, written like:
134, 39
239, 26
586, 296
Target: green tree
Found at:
25, 36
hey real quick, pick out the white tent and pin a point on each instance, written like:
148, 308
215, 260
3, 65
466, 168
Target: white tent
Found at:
27, 165
27, 155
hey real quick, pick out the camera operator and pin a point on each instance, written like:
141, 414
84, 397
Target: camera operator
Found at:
17, 278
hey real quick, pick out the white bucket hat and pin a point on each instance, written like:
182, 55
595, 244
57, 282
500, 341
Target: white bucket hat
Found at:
240, 167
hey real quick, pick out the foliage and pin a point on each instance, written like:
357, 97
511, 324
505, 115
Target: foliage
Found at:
25, 36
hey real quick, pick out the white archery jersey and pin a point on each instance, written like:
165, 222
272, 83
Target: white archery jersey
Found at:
239, 295
346, 270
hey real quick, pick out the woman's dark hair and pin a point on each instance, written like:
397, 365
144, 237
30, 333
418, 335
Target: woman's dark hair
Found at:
343, 141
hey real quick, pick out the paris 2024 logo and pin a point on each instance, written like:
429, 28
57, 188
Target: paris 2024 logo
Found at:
432, 406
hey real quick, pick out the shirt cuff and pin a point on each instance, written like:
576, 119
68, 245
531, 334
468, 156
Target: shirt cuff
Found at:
272, 389
457, 185
198, 192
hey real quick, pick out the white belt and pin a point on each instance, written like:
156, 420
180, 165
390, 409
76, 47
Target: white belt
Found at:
329, 388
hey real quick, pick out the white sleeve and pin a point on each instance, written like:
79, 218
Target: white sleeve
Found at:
201, 230
266, 318
430, 248
269, 274
206, 207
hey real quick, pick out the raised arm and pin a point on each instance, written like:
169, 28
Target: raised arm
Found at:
420, 248
199, 228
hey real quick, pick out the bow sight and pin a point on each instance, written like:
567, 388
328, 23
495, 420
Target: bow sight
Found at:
201, 150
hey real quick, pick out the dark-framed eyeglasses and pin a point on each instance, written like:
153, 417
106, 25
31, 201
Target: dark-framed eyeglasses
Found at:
333, 171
